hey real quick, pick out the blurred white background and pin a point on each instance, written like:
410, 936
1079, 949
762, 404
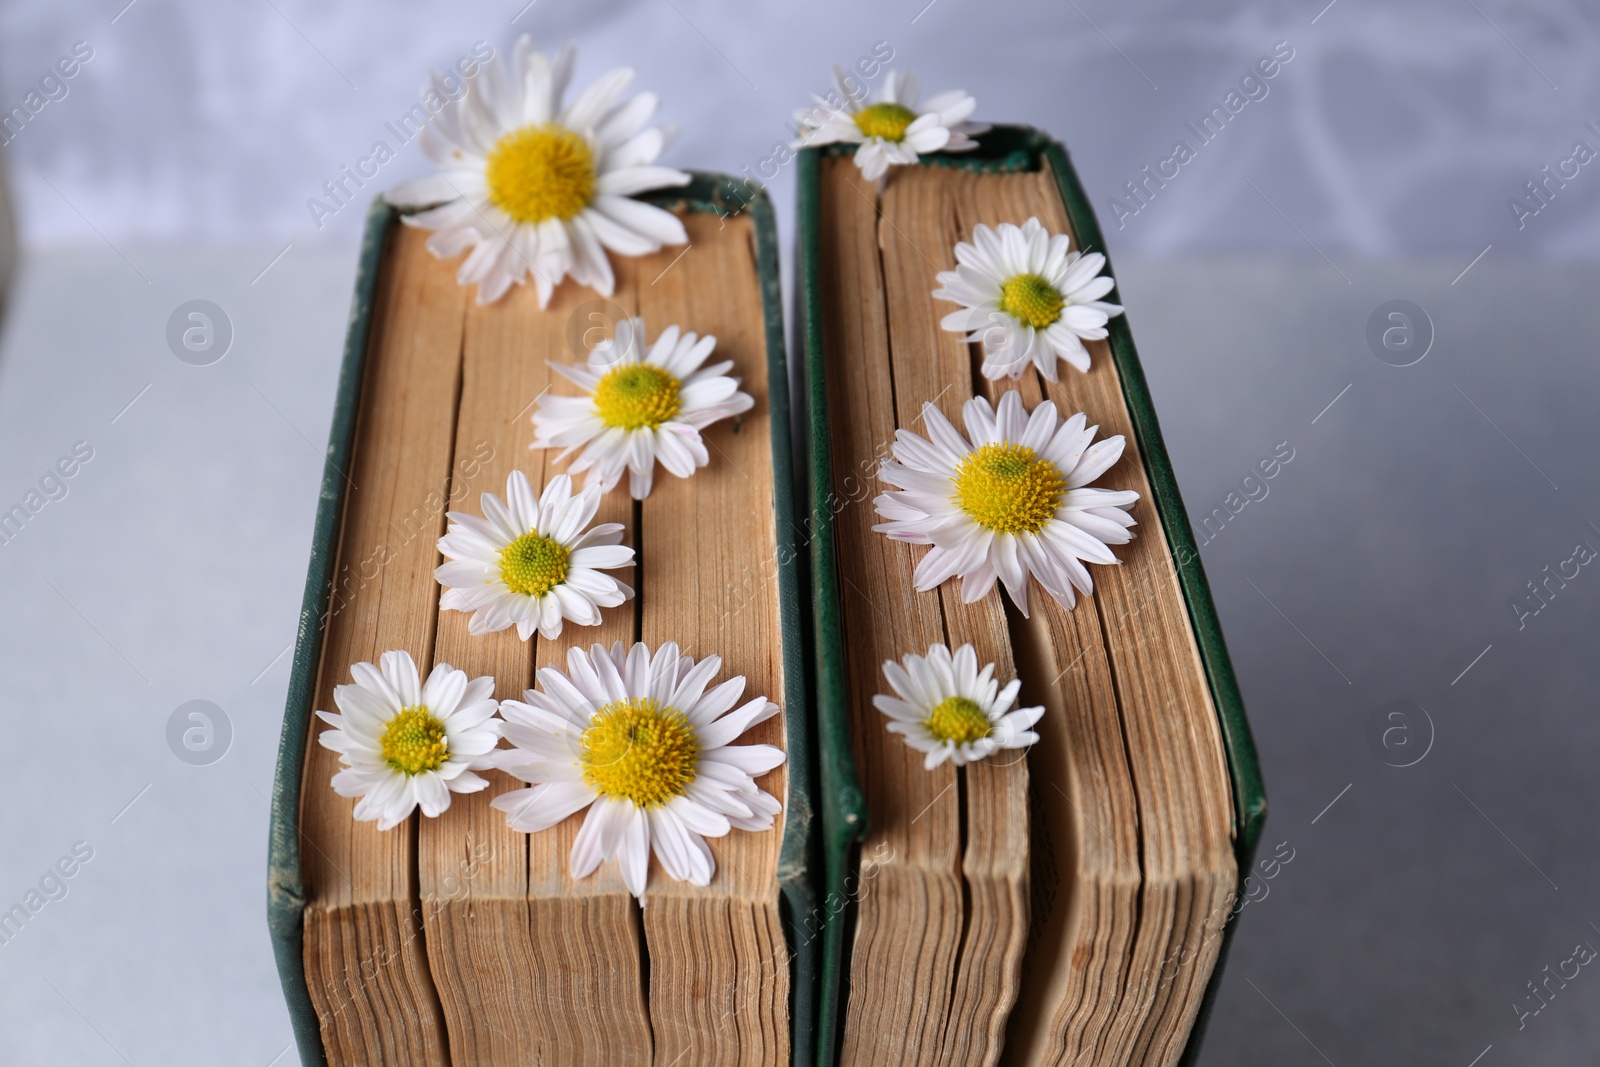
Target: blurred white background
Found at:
1400, 127
178, 162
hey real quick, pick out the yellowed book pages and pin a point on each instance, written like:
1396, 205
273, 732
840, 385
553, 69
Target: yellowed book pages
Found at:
1120, 816
457, 940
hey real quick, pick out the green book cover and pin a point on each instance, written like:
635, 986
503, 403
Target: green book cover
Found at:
843, 812
285, 888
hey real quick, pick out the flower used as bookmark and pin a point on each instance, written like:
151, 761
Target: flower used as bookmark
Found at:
638, 740
1028, 298
1007, 500
532, 562
406, 744
640, 407
944, 706
890, 127
532, 187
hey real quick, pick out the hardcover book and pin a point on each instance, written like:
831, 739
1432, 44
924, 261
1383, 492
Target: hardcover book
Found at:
456, 939
1066, 905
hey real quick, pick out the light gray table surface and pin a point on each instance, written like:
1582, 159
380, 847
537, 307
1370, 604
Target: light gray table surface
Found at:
1380, 565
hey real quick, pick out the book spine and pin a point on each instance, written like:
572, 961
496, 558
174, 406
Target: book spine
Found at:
844, 809
796, 866
285, 888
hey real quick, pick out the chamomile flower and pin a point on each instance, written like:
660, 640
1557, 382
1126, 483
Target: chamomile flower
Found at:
1028, 297
944, 706
406, 744
891, 128
531, 186
639, 741
530, 562
639, 409
1012, 501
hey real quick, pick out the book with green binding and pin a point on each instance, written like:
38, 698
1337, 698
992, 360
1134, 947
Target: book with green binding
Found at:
866, 262
404, 1000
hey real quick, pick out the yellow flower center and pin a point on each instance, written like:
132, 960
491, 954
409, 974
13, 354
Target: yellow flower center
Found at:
959, 720
1008, 488
533, 564
414, 741
637, 396
1030, 299
541, 172
639, 750
888, 121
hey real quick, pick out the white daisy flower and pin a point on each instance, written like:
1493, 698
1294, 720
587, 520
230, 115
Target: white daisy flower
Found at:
893, 128
640, 410
529, 185
1028, 298
406, 744
944, 706
532, 563
1011, 502
638, 741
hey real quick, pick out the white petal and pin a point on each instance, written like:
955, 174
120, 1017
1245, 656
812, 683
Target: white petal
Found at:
633, 850
753, 760
425, 191
660, 226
